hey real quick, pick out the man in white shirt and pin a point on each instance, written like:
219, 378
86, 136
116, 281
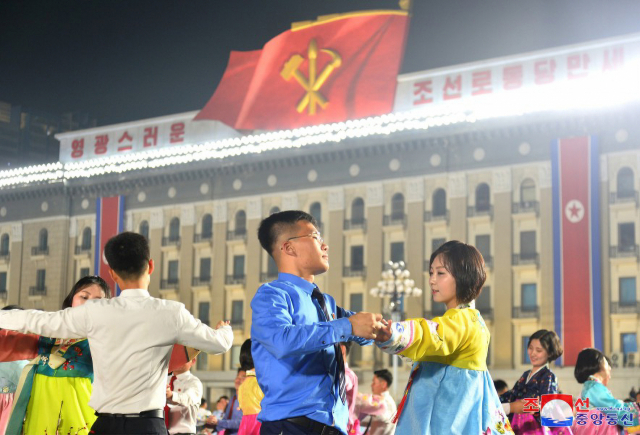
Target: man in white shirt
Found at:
131, 339
380, 407
184, 393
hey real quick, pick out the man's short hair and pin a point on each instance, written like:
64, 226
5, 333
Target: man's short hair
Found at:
385, 375
273, 226
128, 255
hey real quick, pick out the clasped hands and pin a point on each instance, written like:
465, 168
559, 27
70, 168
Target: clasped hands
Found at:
370, 326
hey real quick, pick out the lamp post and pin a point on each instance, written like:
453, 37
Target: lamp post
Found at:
396, 283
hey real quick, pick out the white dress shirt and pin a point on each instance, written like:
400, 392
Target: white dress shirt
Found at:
184, 404
131, 338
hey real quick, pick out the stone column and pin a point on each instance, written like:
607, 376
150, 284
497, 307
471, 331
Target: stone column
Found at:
335, 239
15, 265
457, 192
156, 231
415, 244
187, 230
253, 259
218, 272
375, 252
502, 271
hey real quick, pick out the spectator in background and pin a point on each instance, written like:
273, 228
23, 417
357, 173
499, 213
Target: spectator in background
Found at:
201, 417
184, 396
501, 386
379, 406
230, 421
543, 347
249, 394
353, 426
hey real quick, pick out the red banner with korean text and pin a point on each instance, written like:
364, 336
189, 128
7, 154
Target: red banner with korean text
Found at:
338, 68
576, 244
109, 223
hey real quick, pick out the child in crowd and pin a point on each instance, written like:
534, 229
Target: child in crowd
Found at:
543, 347
594, 372
249, 394
450, 390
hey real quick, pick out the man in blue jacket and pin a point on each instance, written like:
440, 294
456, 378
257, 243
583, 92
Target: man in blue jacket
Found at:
295, 333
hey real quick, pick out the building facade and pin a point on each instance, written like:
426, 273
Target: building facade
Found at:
391, 190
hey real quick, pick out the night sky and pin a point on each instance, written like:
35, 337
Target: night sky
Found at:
124, 60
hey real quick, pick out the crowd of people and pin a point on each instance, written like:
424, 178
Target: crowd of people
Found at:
122, 365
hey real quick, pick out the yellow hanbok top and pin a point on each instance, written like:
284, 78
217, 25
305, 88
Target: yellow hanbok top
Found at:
250, 395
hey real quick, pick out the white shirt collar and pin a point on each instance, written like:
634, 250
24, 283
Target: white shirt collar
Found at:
134, 292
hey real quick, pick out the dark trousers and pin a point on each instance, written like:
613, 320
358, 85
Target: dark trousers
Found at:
282, 427
109, 425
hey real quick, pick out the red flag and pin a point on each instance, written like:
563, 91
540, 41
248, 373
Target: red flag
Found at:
338, 68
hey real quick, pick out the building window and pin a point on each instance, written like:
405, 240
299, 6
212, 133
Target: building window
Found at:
237, 312
41, 277
397, 251
439, 203
528, 245
483, 244
436, 243
235, 357
272, 267
356, 302
173, 266
144, 229
397, 207
241, 222
483, 303
629, 346
528, 297
527, 191
357, 211
84, 272
174, 229
238, 266
357, 257
274, 210
626, 237
86, 239
207, 226
483, 197
316, 211
3, 282
525, 354
627, 291
624, 186
43, 240
4, 244
205, 269
202, 363
203, 312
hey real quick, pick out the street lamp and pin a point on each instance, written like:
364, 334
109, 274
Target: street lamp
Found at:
396, 283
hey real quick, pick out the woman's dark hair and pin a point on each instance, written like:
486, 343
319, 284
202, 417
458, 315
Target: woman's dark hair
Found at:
246, 360
83, 283
590, 361
550, 342
12, 307
464, 262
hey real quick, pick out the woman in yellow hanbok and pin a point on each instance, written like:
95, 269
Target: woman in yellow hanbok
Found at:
55, 387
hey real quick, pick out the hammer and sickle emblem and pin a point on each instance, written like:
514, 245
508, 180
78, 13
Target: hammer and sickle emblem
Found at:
313, 84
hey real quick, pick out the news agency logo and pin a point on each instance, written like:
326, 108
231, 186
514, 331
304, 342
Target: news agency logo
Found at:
556, 410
